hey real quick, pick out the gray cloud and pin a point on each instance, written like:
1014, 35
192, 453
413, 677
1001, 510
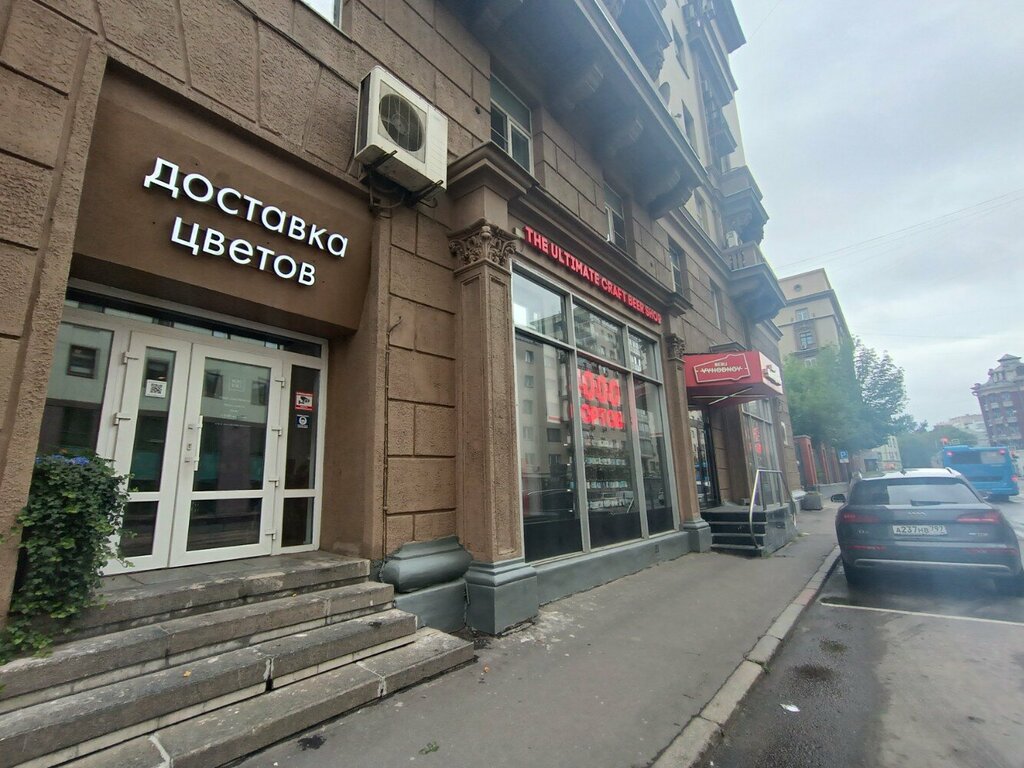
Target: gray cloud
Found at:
860, 119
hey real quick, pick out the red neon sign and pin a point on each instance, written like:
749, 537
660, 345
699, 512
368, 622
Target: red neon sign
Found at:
550, 248
606, 392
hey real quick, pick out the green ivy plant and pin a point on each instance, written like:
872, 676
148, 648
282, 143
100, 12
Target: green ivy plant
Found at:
75, 511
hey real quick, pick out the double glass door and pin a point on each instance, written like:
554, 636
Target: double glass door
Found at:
197, 431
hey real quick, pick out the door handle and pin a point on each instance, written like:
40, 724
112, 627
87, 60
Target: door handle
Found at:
119, 417
192, 446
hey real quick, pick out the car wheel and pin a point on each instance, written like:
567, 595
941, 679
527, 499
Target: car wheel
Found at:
1013, 587
854, 576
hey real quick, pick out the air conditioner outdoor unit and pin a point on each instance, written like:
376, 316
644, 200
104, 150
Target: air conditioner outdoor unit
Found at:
399, 135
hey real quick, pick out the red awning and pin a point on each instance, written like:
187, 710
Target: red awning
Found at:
730, 377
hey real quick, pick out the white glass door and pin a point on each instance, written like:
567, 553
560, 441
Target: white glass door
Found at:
227, 478
147, 445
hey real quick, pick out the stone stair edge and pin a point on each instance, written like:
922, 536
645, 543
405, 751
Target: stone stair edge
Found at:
223, 736
80, 659
137, 603
58, 725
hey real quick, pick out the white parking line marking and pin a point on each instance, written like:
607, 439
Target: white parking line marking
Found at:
921, 613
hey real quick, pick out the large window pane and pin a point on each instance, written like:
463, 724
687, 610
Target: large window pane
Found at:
704, 472
551, 518
537, 308
139, 529
759, 435
74, 397
597, 335
653, 461
304, 408
234, 426
216, 523
608, 455
297, 526
151, 430
643, 355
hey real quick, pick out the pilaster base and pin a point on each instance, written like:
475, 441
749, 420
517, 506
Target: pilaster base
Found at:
500, 595
422, 564
700, 534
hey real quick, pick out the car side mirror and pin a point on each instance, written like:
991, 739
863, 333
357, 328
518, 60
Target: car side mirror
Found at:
839, 498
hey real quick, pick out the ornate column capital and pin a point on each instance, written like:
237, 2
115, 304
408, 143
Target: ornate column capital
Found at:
483, 243
676, 346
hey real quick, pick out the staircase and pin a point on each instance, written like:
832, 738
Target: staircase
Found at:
200, 669
731, 528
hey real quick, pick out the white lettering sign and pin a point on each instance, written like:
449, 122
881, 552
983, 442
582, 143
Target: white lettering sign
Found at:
212, 242
166, 175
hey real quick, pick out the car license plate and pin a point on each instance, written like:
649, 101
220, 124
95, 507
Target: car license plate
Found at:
919, 530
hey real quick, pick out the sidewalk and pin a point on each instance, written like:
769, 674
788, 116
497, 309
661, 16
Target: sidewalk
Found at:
603, 679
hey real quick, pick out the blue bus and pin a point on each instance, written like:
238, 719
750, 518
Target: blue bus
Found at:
991, 469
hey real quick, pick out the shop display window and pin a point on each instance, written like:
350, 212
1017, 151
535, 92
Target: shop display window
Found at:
612, 509
601, 476
551, 515
654, 468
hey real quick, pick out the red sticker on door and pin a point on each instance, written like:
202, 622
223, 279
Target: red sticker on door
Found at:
303, 401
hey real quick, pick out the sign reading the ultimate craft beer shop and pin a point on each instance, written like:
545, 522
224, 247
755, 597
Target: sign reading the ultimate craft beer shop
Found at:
557, 253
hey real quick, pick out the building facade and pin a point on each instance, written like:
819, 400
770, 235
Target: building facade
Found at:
288, 350
972, 423
1001, 398
812, 318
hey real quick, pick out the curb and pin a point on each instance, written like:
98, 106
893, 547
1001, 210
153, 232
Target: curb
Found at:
705, 729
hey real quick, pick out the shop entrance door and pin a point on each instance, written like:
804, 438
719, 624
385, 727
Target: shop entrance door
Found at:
198, 430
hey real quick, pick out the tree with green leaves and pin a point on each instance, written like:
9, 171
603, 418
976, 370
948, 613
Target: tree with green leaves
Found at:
919, 446
849, 396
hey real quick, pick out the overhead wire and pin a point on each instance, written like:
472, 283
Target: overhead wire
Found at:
880, 241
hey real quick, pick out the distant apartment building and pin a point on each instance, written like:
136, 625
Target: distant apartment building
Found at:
1002, 402
971, 423
812, 317
885, 458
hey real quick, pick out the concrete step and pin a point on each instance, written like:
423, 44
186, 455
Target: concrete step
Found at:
178, 592
217, 738
739, 539
93, 662
84, 722
731, 516
737, 548
739, 527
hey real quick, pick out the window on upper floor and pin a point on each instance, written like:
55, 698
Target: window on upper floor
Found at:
329, 9
678, 257
716, 307
702, 213
806, 340
511, 126
689, 128
680, 50
615, 210
802, 314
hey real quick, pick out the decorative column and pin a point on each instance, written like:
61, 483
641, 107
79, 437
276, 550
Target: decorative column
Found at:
682, 446
502, 588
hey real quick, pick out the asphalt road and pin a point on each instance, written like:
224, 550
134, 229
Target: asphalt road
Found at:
907, 672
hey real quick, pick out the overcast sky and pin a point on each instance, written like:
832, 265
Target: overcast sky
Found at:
888, 140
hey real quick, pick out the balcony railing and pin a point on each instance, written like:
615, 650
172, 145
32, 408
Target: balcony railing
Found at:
741, 204
753, 284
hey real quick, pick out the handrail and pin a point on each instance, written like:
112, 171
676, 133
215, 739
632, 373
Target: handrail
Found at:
753, 498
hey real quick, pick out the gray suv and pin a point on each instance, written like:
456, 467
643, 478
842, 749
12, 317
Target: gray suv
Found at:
928, 520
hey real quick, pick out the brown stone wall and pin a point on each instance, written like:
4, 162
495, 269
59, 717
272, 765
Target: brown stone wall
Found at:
421, 392
278, 72
701, 331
